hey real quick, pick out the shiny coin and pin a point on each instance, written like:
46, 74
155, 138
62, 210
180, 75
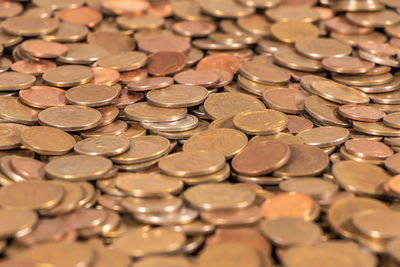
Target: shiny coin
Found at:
375, 128
315, 187
347, 65
177, 96
57, 142
361, 113
33, 67
92, 95
295, 61
165, 63
202, 126
28, 168
293, 102
44, 49
368, 149
10, 135
282, 137
29, 25
13, 110
68, 76
16, 223
105, 76
377, 223
67, 32
324, 136
322, 47
70, 117
43, 96
139, 22
260, 122
150, 83
187, 123
146, 112
10, 81
297, 124
225, 9
392, 120
102, 146
124, 61
374, 19
194, 28
152, 205
194, 163
219, 196
183, 215
251, 214
82, 53
292, 13
292, 31
259, 72
226, 141
338, 93
78, 167
205, 78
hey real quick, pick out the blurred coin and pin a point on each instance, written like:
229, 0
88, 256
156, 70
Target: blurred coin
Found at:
292, 31
146, 112
260, 122
123, 61
68, 75
165, 62
347, 65
29, 25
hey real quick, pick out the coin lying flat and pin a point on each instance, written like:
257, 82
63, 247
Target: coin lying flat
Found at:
16, 223
322, 47
29, 25
68, 76
123, 62
92, 95
292, 31
264, 73
146, 112
10, 81
324, 136
261, 122
102, 146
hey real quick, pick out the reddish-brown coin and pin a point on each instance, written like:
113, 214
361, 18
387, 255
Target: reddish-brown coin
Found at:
84, 218
10, 9
379, 49
160, 9
33, 67
115, 128
285, 100
133, 76
221, 61
361, 113
243, 216
43, 96
127, 97
165, 63
368, 149
150, 84
28, 168
343, 26
81, 15
105, 76
392, 163
108, 115
164, 43
194, 28
44, 49
119, 7
297, 124
204, 78
347, 65
292, 204
261, 158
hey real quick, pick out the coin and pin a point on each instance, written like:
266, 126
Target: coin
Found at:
102, 146
70, 117
68, 76
117, 127
261, 122
292, 31
43, 96
264, 73
29, 25
290, 13
361, 113
44, 49
375, 128
165, 63
28, 168
91, 95
164, 43
251, 214
347, 65
293, 102
13, 110
314, 187
297, 124
322, 47
146, 112
80, 167
152, 205
338, 93
187, 123
205, 78
295, 61
150, 83
67, 32
223, 9
374, 19
369, 149
324, 136
11, 81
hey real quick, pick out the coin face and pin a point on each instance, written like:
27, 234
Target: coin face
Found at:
43, 96
13, 110
292, 31
260, 122
68, 76
92, 95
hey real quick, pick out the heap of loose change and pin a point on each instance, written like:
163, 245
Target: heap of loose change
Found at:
209, 133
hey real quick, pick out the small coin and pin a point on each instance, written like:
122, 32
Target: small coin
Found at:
164, 43
139, 22
194, 28
361, 113
292, 13
13, 110
152, 205
81, 15
43, 96
341, 25
292, 31
57, 142
289, 58
28, 168
225, 9
108, 115
222, 61
70, 117
150, 83
339, 93
29, 25
347, 65
102, 146
377, 223
375, 128
373, 19
293, 102
67, 32
251, 214
261, 122
187, 123
82, 53
10, 81
392, 164
202, 126
10, 135
16, 223
297, 124
315, 187
165, 63
105, 76
369, 149
125, 61
264, 73
44, 49
68, 75
117, 127
146, 112
92, 95
324, 136
322, 48
124, 6
193, 163
205, 78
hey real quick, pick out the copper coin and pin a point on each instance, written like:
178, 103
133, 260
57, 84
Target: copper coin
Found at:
160, 9
108, 115
243, 216
379, 49
377, 70
151, 83
285, 100
297, 124
28, 168
261, 158
194, 28
105, 76
43, 96
369, 149
361, 113
221, 61
111, 202
343, 26
392, 163
115, 128
288, 205
197, 77
84, 218
132, 76
81, 15
164, 43
33, 67
44, 49
347, 65
10, 9
127, 97
165, 63
119, 7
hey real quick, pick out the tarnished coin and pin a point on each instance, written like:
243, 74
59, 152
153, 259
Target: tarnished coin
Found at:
322, 47
264, 73
102, 146
43, 96
285, 100
368, 149
10, 81
13, 110
324, 136
292, 31
68, 75
261, 122
349, 65
261, 158
146, 112
29, 25
10, 135
221, 61
44, 49
125, 61
92, 95
70, 117
165, 63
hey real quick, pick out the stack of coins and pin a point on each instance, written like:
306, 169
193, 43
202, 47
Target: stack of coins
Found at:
259, 133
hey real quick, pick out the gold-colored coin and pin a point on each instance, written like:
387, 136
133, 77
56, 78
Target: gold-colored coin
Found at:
26, 196
342, 211
362, 80
78, 167
125, 61
201, 127
70, 117
67, 32
261, 122
229, 142
143, 149
324, 136
289, 58
146, 112
283, 137
355, 39
392, 120
177, 96
16, 223
324, 111
292, 31
264, 73
292, 13
215, 177
11, 109
11, 81
375, 128
102, 146
253, 87
374, 19
378, 223
222, 105
177, 260
390, 98
68, 75
255, 24
194, 163
315, 187
10, 135
47, 140
225, 8
225, 123
339, 93
29, 25
219, 196
147, 184
149, 241
152, 205
304, 160
92, 95
134, 130
82, 53
53, 254
362, 178
322, 47
139, 22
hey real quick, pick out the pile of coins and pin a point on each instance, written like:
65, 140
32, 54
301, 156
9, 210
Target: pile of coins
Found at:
257, 133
